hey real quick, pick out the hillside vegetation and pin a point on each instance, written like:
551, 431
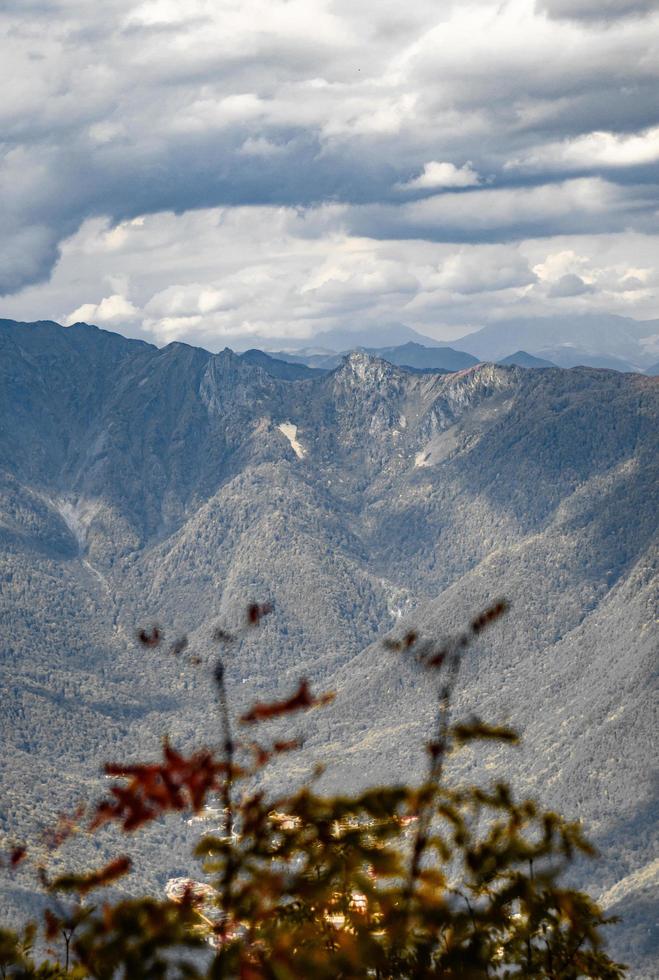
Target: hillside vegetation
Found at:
141, 485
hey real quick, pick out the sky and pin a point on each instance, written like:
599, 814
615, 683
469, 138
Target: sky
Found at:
224, 172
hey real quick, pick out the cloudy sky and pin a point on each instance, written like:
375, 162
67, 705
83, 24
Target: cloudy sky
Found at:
219, 170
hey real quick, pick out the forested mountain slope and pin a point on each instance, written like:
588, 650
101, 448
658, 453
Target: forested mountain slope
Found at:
139, 484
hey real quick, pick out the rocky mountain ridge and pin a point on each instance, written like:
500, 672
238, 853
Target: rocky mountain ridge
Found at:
139, 484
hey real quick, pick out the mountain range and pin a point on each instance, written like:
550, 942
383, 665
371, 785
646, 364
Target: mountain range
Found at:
590, 340
410, 354
172, 485
596, 340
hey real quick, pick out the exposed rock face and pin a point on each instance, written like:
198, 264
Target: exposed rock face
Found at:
140, 484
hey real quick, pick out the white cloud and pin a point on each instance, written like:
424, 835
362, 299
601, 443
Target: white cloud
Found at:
562, 263
111, 309
237, 276
436, 175
489, 268
599, 149
568, 273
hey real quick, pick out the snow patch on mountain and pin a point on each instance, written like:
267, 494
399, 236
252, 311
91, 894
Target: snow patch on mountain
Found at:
77, 515
290, 431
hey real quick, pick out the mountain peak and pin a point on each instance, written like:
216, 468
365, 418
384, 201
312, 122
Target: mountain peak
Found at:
383, 335
522, 358
593, 340
366, 367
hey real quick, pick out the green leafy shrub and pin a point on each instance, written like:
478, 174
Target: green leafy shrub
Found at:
423, 881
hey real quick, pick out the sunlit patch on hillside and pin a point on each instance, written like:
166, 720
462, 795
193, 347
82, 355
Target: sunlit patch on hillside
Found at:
290, 431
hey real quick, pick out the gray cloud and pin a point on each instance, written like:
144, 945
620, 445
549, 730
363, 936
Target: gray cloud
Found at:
510, 213
27, 254
596, 10
569, 285
503, 124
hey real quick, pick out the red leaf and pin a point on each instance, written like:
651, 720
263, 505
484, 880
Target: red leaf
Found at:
17, 856
66, 825
437, 660
52, 924
262, 755
301, 700
94, 879
150, 638
175, 784
489, 615
256, 611
115, 869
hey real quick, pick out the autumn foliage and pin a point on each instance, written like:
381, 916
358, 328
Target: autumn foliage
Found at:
424, 881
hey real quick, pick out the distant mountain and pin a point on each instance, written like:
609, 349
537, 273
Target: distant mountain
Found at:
591, 340
324, 360
277, 368
522, 359
653, 370
175, 485
569, 357
410, 355
416, 355
385, 335
595, 340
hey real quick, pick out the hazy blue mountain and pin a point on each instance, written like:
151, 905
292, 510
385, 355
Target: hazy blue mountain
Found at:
522, 359
384, 335
416, 355
569, 357
586, 339
653, 370
602, 341
313, 357
278, 368
175, 485
410, 354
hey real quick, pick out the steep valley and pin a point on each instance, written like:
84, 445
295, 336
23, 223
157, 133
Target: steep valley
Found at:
142, 485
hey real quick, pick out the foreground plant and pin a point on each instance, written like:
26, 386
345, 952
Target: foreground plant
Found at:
401, 882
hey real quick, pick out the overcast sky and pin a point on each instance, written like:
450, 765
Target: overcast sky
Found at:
218, 170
